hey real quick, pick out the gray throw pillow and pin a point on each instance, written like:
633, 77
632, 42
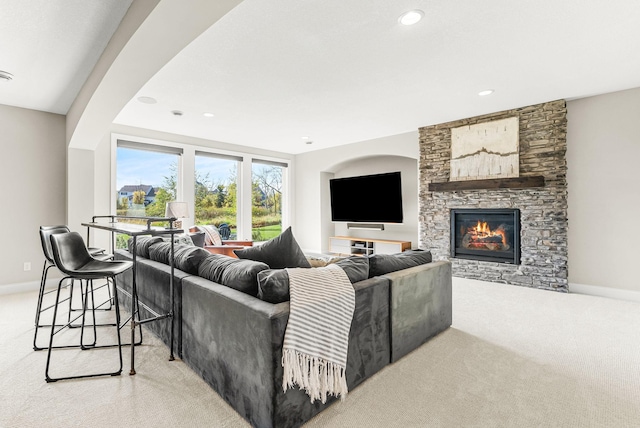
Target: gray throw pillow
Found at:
379, 264
273, 284
280, 252
197, 238
235, 273
181, 238
188, 258
142, 245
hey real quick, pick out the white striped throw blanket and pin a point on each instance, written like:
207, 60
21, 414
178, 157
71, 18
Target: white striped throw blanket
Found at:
314, 354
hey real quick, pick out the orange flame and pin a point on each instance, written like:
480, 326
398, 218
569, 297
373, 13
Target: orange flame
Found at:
483, 230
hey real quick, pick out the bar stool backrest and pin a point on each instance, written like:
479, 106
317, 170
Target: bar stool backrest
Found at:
69, 252
45, 233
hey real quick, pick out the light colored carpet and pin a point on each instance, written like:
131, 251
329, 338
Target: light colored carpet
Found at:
515, 357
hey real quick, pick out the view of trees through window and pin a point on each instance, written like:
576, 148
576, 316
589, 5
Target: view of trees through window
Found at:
146, 180
216, 191
266, 198
216, 196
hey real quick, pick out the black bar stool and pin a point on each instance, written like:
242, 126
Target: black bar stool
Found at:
72, 258
45, 233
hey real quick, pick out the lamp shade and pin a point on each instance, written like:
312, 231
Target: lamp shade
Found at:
176, 210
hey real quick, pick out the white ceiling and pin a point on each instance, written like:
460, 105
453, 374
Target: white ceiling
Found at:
346, 71
51, 46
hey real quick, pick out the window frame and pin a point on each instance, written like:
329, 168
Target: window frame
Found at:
285, 201
239, 160
185, 189
150, 147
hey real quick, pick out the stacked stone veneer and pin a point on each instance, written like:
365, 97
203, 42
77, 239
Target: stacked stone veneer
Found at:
543, 210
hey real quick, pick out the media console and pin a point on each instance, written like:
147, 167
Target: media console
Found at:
350, 245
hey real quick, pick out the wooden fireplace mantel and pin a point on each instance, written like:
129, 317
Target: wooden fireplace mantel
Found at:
495, 183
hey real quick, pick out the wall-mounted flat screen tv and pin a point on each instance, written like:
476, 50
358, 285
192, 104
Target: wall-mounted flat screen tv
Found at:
367, 199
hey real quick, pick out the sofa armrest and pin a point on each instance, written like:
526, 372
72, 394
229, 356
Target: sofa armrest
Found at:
420, 305
228, 339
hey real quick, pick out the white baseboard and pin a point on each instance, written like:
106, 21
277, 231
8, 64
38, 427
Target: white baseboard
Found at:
25, 287
612, 293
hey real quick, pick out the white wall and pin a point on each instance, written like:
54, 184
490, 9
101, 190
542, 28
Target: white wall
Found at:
603, 158
408, 230
32, 172
313, 226
80, 187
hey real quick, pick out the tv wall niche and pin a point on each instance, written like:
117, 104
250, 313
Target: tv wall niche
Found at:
371, 165
542, 147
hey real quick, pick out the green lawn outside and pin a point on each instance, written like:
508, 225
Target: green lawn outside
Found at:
266, 232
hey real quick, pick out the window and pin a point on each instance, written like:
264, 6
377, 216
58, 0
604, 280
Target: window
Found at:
146, 179
267, 199
250, 196
216, 190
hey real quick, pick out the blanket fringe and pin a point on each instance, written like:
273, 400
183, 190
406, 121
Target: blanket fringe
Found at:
317, 376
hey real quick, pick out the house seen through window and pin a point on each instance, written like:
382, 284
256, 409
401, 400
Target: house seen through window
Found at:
145, 181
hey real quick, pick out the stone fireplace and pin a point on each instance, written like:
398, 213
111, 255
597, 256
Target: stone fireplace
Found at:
538, 195
491, 235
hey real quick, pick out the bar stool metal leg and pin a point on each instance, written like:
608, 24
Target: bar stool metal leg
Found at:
45, 234
40, 310
88, 290
72, 258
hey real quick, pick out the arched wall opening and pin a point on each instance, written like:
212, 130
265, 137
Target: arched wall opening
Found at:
366, 165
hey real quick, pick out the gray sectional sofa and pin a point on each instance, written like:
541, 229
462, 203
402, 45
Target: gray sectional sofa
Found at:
233, 340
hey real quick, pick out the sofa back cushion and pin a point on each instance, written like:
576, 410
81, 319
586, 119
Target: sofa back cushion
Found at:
280, 252
188, 258
273, 284
142, 245
379, 264
239, 274
161, 251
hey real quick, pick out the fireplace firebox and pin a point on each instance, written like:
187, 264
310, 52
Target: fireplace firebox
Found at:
491, 235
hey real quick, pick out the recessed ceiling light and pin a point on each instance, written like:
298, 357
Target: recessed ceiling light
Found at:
485, 92
305, 138
208, 114
411, 17
176, 113
147, 100
6, 76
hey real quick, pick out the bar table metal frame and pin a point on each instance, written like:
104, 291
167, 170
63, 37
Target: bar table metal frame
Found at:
135, 230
